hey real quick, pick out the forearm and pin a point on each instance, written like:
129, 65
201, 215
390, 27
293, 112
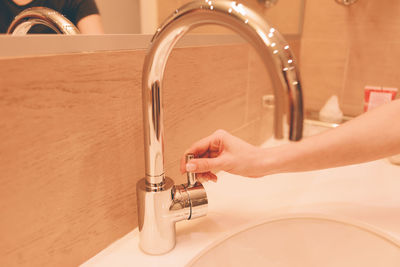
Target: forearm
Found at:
370, 136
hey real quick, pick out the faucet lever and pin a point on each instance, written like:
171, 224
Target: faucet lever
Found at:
196, 193
191, 176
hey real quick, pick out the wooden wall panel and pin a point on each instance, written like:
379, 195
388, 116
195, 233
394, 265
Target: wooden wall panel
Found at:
346, 48
71, 145
259, 81
70, 155
205, 97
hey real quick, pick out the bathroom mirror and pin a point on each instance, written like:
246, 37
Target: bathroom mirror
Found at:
129, 24
285, 15
144, 16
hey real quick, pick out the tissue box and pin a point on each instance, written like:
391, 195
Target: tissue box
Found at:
375, 96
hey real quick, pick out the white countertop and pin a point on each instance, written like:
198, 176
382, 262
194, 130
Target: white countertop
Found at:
366, 193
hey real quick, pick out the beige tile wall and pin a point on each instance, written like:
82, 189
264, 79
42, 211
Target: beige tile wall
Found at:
345, 48
71, 140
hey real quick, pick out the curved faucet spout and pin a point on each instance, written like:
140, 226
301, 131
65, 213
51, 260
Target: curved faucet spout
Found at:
267, 41
160, 203
25, 20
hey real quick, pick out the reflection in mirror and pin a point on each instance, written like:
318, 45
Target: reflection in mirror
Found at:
144, 16
285, 15
43, 16
83, 13
122, 16
268, 3
346, 2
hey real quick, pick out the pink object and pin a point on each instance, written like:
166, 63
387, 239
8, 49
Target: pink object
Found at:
375, 96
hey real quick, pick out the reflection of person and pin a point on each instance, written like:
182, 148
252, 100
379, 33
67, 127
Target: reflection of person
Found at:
83, 13
371, 136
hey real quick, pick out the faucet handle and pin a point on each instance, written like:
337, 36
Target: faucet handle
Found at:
196, 193
191, 176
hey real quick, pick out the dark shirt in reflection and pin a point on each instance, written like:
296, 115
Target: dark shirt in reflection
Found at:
74, 10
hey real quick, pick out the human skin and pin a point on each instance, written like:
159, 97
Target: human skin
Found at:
370, 136
90, 25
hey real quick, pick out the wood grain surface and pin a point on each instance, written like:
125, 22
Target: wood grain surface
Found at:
345, 48
70, 155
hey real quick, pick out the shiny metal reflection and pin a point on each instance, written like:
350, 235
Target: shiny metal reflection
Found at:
270, 45
191, 177
160, 204
268, 3
346, 2
24, 21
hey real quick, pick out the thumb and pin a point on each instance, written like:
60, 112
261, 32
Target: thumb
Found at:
201, 165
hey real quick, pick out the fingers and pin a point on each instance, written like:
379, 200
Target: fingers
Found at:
211, 143
208, 147
201, 165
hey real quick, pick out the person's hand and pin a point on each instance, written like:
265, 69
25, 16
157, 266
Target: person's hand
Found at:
222, 151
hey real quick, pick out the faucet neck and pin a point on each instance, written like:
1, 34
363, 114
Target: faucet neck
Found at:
25, 20
267, 41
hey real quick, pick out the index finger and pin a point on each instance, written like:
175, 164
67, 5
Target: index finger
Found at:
200, 148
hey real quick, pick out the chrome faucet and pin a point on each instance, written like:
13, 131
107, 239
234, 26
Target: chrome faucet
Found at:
268, 3
161, 203
25, 20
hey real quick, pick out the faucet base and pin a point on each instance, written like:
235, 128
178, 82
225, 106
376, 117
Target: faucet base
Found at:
159, 209
156, 229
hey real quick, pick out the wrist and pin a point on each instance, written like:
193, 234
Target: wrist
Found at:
262, 162
278, 159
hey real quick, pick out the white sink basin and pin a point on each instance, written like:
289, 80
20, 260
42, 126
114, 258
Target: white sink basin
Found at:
355, 210
302, 241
